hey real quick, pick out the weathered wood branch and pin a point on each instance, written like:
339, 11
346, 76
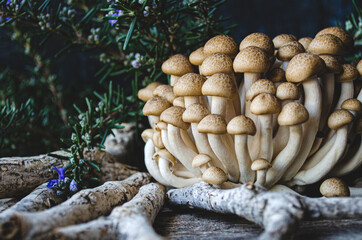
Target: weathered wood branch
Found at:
84, 206
6, 203
133, 220
278, 213
20, 175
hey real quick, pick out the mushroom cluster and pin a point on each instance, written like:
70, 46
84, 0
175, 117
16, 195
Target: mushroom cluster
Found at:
270, 111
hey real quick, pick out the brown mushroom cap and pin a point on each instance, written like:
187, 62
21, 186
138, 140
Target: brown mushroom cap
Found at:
260, 86
219, 84
212, 123
155, 106
221, 44
160, 126
352, 104
241, 125
165, 91
303, 66
147, 134
214, 175
293, 113
282, 39
177, 65
289, 50
260, 164
265, 104
216, 63
200, 160
157, 140
189, 84
326, 44
197, 56
359, 67
287, 91
259, 40
195, 113
179, 102
305, 41
277, 75
334, 187
332, 64
173, 116
339, 118
251, 60
349, 73
145, 94
341, 34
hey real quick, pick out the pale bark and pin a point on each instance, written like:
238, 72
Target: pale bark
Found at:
84, 206
132, 220
6, 203
279, 213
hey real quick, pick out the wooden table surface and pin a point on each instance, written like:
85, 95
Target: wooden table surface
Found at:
198, 224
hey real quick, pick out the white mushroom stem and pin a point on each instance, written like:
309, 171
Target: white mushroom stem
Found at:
254, 141
316, 145
151, 165
173, 79
244, 160
152, 120
219, 106
355, 191
282, 189
242, 93
187, 139
203, 146
328, 83
132, 220
179, 170
284, 65
313, 104
181, 151
266, 129
286, 157
326, 164
225, 154
347, 91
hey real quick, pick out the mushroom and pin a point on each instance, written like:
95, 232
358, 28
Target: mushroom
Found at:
157, 140
197, 57
179, 102
221, 44
304, 68
342, 34
145, 94
339, 121
194, 114
214, 175
292, 115
334, 187
261, 166
282, 39
287, 51
359, 68
164, 91
165, 159
173, 117
277, 76
215, 127
154, 107
176, 66
201, 161
241, 127
189, 86
305, 41
346, 78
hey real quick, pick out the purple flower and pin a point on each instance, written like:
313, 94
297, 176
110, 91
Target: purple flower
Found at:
115, 13
136, 64
8, 2
61, 177
73, 186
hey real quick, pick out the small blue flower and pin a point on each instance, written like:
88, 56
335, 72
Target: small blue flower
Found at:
8, 2
115, 14
53, 183
136, 64
73, 186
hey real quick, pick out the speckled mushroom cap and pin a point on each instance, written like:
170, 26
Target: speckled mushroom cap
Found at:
177, 65
165, 154
216, 63
146, 93
341, 34
289, 50
165, 91
157, 140
155, 106
334, 187
160, 126
173, 116
147, 134
265, 104
326, 44
260, 164
303, 66
179, 102
189, 84
212, 123
305, 41
287, 91
200, 159
359, 67
241, 125
221, 44
260, 86
197, 56
282, 39
195, 113
293, 113
352, 104
339, 118
251, 60
349, 73
276, 75
332, 64
220, 85
259, 40
214, 175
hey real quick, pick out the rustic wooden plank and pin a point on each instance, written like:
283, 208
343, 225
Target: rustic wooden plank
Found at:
198, 224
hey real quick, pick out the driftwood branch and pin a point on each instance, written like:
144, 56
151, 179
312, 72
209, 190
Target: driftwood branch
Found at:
20, 175
278, 213
84, 206
6, 203
133, 220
